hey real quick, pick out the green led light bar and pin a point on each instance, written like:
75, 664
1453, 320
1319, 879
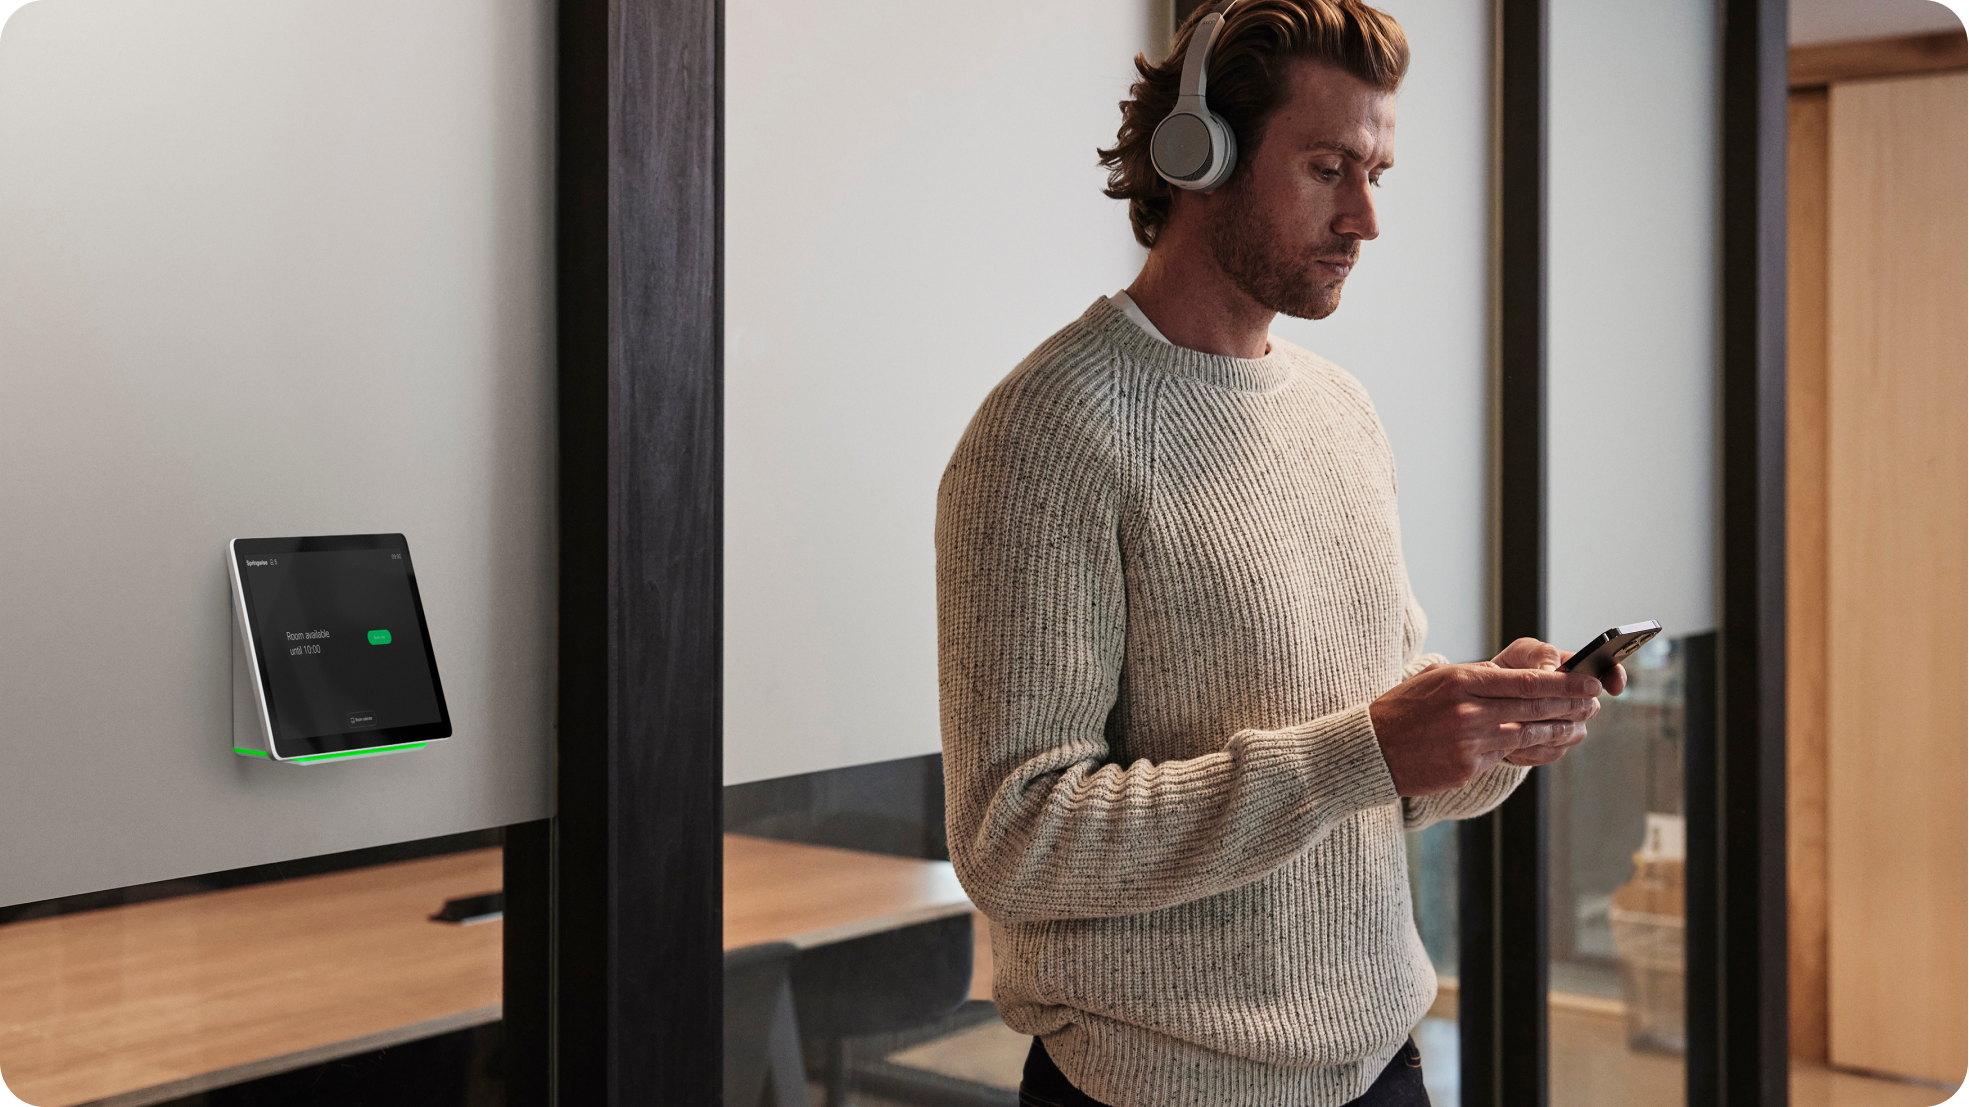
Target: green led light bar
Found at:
359, 753
344, 753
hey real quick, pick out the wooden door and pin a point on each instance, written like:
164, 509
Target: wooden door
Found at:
1896, 531
1805, 457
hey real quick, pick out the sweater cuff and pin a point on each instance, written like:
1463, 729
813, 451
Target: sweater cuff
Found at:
1423, 662
1344, 761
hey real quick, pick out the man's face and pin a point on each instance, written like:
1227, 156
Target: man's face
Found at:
1288, 227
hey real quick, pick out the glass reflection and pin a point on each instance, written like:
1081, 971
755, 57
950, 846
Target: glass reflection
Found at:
855, 970
1618, 849
1432, 886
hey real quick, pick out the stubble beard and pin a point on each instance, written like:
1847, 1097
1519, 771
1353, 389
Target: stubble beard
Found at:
1248, 249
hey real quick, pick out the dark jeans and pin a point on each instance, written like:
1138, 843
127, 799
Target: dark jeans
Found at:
1399, 1085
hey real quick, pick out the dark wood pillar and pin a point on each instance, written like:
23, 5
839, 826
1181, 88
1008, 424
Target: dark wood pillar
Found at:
629, 956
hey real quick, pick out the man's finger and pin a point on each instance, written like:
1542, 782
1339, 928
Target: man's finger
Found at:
1531, 684
1537, 711
1615, 680
1532, 756
1561, 734
1529, 653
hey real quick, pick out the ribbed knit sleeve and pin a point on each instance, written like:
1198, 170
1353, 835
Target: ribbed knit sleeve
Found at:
1423, 663
1485, 791
1032, 633
1474, 797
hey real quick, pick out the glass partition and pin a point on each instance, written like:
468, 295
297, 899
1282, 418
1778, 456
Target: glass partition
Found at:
837, 437
1618, 849
1632, 326
854, 963
1432, 875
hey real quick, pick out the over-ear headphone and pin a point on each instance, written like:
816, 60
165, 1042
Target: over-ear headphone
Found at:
1194, 148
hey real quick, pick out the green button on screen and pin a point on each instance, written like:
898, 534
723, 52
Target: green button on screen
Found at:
379, 637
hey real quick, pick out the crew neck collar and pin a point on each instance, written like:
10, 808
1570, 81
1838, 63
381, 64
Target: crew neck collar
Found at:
1263, 374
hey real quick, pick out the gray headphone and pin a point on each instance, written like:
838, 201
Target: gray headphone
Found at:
1194, 148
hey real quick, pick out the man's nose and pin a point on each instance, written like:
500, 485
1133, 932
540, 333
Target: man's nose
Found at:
1356, 215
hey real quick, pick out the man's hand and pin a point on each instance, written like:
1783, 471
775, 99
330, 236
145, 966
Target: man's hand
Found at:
1448, 723
1530, 653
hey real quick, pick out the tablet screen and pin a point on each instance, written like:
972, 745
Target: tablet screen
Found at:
339, 639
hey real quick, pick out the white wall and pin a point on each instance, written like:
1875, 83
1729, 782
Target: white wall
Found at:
887, 266
912, 204
1414, 322
1633, 316
265, 269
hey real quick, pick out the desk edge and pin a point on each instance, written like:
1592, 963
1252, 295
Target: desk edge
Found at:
862, 928
288, 1062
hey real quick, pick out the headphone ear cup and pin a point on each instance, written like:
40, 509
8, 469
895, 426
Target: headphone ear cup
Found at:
1223, 155
1194, 150
1184, 148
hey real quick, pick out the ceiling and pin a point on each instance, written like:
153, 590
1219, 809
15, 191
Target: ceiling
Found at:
1838, 20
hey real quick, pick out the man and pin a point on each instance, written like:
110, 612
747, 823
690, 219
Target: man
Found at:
1186, 712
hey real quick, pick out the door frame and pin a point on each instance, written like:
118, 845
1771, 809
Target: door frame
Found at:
614, 952
1735, 784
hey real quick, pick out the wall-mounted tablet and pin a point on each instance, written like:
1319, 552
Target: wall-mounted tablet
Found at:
331, 655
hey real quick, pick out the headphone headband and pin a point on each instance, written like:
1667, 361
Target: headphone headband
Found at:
1194, 148
1196, 61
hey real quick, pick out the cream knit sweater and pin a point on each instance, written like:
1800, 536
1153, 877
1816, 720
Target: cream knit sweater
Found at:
1168, 586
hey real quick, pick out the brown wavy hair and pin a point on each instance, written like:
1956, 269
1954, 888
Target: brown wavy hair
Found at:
1247, 83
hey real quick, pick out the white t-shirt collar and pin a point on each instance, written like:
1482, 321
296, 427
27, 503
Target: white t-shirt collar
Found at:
1133, 311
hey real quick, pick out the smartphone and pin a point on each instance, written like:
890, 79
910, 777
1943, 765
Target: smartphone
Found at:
1600, 655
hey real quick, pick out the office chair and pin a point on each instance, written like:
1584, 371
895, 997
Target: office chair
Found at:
895, 980
762, 1040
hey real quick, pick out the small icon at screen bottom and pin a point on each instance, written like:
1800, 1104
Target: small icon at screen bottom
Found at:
360, 719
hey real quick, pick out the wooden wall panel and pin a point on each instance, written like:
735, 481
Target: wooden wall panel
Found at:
1896, 528
1805, 382
1821, 64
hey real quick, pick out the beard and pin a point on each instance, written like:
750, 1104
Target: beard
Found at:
1279, 277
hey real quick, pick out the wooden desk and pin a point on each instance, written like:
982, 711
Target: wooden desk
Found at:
813, 895
141, 1004
138, 1005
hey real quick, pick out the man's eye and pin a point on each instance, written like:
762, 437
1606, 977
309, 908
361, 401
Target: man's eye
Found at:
1326, 174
